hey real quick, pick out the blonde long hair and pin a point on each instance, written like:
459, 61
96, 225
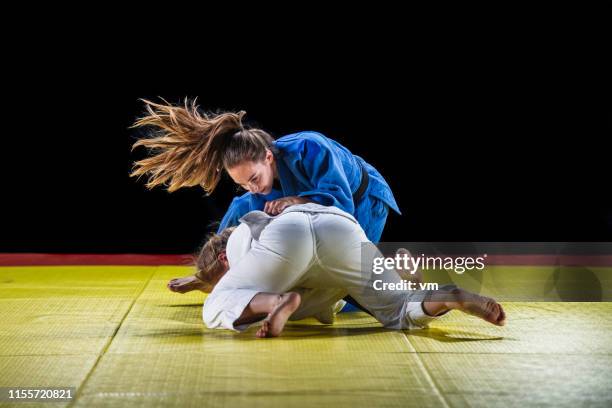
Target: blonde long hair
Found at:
188, 147
208, 268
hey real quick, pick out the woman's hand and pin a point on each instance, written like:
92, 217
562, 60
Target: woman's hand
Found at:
276, 207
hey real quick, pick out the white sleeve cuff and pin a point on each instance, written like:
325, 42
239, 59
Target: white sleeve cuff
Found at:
417, 317
223, 308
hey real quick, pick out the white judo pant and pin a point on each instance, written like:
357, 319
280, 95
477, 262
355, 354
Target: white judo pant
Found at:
315, 250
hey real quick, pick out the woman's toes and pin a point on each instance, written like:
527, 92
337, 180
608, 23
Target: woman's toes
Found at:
502, 316
497, 315
263, 330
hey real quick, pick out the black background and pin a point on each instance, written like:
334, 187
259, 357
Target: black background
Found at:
502, 149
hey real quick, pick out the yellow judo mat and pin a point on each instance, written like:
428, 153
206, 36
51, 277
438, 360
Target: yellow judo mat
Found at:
122, 339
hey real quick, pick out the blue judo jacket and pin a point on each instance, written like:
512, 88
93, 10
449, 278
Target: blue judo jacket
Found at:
321, 169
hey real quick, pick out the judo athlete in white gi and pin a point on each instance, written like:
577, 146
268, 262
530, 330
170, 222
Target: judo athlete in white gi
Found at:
303, 262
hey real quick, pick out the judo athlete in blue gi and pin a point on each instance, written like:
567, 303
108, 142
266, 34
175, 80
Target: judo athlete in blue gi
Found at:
192, 148
313, 167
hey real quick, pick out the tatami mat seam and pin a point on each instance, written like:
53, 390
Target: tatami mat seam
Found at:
112, 337
427, 374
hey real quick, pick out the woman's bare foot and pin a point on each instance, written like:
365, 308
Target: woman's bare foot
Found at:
480, 306
186, 284
274, 324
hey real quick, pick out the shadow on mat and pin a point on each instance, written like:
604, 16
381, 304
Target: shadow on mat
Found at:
455, 336
305, 331
295, 331
301, 332
317, 331
184, 305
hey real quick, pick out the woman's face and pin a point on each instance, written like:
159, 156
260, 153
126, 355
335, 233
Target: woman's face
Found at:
255, 177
